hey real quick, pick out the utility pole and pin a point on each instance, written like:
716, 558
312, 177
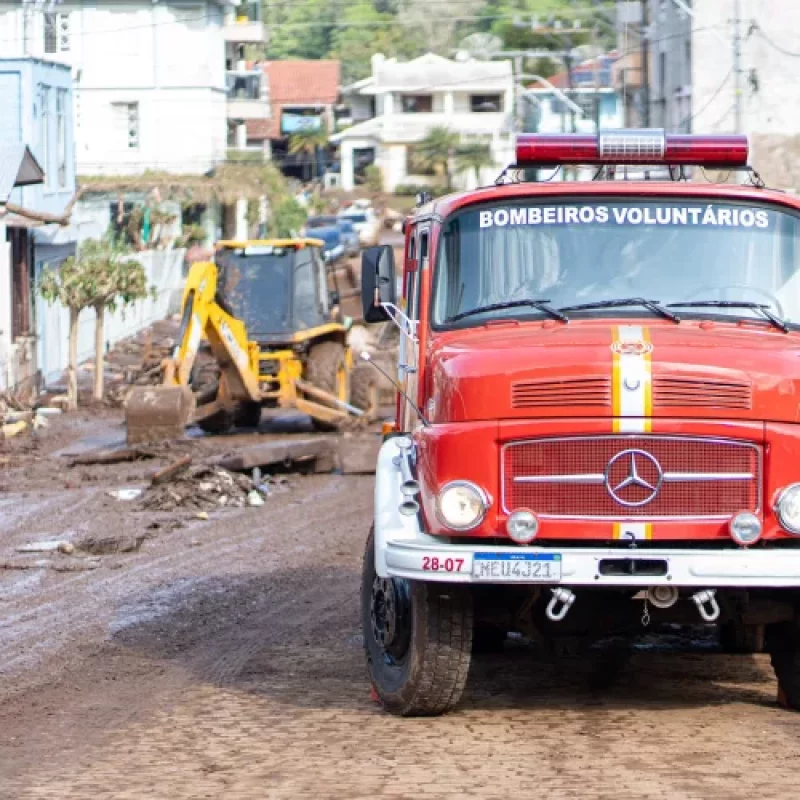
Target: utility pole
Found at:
646, 61
737, 68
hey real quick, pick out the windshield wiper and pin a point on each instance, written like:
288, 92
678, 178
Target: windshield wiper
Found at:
651, 305
764, 309
539, 305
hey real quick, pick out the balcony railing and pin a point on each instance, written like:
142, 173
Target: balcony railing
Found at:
247, 95
245, 85
244, 24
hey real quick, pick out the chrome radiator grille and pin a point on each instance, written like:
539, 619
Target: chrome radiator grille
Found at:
632, 476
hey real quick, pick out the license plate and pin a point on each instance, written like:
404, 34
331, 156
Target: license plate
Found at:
517, 567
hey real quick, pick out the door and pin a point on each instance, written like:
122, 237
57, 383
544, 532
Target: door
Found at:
408, 364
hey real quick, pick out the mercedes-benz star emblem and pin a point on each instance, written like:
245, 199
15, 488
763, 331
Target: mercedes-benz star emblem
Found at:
633, 478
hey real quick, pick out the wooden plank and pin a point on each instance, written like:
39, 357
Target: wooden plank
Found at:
278, 451
170, 471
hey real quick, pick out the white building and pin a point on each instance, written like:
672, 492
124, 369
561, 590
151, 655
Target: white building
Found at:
473, 98
723, 66
150, 77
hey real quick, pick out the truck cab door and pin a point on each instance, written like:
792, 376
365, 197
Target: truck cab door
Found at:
408, 361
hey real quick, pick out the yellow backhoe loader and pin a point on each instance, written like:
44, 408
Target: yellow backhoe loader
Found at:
260, 327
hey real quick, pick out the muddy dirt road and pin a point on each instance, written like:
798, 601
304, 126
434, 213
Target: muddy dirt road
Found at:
223, 660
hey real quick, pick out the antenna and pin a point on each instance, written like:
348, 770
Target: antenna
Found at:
365, 356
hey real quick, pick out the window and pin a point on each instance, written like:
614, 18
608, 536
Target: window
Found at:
479, 103
56, 33
126, 125
676, 250
417, 103
44, 103
306, 297
61, 136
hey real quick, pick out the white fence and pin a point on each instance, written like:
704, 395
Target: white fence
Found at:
164, 269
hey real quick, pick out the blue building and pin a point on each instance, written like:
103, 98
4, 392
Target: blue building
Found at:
36, 98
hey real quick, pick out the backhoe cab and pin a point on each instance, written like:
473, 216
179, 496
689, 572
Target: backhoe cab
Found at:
260, 327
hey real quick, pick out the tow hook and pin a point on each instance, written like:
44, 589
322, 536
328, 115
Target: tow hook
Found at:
707, 605
560, 603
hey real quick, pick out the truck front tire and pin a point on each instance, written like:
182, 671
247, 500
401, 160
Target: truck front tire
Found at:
418, 641
783, 645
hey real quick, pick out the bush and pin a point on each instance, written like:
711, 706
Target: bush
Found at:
286, 219
373, 178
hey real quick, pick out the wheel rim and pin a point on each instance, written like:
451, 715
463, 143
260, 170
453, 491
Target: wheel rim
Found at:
390, 617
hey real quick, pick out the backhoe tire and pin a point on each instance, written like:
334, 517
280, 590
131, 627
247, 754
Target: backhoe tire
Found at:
248, 415
417, 640
218, 423
204, 380
326, 368
364, 391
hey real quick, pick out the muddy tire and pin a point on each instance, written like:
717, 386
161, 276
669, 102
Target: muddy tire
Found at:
783, 645
738, 638
204, 380
417, 640
248, 415
364, 391
218, 423
326, 368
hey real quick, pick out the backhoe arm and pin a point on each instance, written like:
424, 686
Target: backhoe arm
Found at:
202, 317
159, 412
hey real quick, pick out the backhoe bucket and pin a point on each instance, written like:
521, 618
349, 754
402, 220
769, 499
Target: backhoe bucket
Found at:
156, 413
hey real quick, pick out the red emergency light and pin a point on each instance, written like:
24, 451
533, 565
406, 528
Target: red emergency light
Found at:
623, 147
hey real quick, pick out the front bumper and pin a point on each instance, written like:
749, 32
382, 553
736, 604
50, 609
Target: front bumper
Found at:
404, 550
584, 566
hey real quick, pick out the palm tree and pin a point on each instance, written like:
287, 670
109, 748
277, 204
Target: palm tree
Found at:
474, 156
436, 150
306, 143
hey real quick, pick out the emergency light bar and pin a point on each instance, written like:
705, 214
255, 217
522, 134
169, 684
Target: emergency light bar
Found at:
645, 146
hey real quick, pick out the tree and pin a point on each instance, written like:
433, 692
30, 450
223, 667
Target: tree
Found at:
306, 143
436, 150
286, 218
365, 31
100, 277
300, 29
474, 156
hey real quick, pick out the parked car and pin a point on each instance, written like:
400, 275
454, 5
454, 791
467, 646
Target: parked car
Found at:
350, 239
365, 221
333, 247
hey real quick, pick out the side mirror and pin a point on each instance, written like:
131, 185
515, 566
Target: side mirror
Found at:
377, 282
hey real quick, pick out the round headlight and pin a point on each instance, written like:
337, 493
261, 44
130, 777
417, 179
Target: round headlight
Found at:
787, 508
522, 526
745, 528
461, 505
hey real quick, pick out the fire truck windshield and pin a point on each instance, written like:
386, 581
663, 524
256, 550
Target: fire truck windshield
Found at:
580, 253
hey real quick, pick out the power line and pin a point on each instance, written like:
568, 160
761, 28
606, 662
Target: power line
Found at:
757, 28
713, 97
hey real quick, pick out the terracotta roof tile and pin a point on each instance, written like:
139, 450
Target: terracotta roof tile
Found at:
295, 83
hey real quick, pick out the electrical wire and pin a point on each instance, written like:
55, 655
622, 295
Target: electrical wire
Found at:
758, 29
687, 120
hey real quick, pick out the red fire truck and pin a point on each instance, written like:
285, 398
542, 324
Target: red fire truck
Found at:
599, 427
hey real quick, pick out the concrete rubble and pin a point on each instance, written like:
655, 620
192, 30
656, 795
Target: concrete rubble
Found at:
208, 486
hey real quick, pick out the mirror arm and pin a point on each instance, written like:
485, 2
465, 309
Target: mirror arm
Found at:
406, 325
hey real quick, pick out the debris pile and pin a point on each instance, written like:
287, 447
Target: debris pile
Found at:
137, 360
15, 420
205, 487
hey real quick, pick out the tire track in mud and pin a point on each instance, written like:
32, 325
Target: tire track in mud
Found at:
245, 548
